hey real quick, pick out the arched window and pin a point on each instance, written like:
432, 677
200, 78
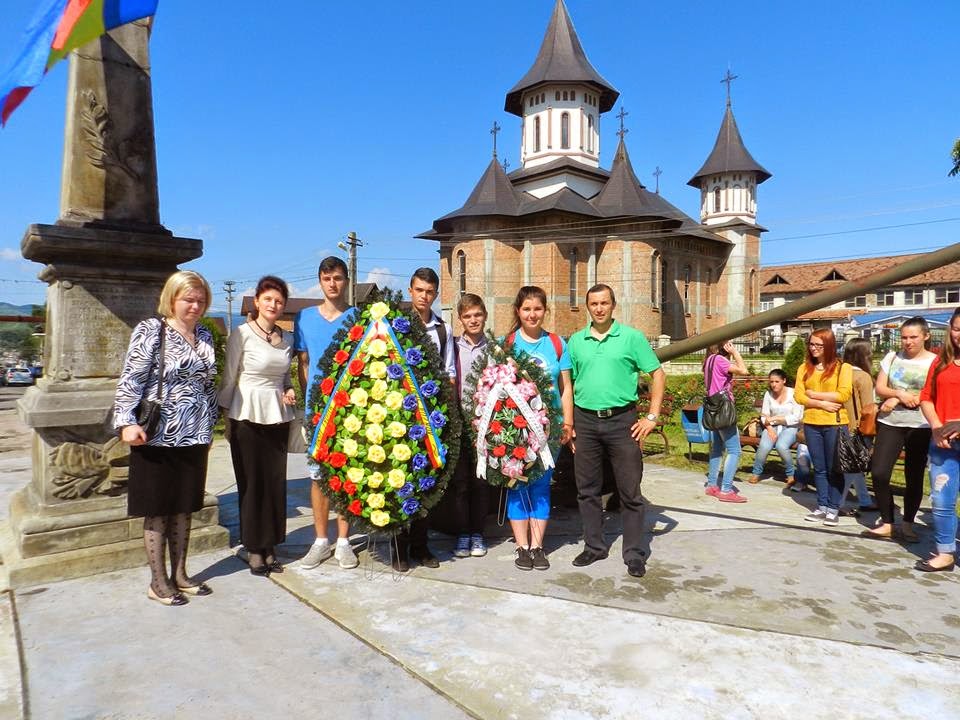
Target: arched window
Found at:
461, 272
565, 130
589, 133
574, 258
655, 280
737, 199
716, 200
708, 292
664, 284
687, 272
536, 134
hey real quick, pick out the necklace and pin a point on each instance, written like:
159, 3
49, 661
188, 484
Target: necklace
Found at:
268, 334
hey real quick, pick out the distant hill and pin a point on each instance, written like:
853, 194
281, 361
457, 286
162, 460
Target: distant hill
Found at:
8, 309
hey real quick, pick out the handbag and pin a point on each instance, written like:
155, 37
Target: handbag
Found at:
718, 409
297, 435
753, 428
148, 411
868, 424
851, 454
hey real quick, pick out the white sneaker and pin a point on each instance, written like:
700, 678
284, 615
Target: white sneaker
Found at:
346, 557
316, 555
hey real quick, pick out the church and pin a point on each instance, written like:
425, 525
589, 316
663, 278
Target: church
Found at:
564, 223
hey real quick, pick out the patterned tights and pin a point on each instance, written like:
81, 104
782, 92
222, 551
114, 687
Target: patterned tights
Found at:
159, 532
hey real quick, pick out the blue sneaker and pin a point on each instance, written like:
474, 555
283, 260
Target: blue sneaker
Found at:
478, 548
463, 546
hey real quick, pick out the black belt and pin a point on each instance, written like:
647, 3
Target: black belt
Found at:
609, 412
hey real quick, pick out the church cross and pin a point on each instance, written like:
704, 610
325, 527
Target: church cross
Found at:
493, 131
657, 173
621, 115
506, 164
728, 79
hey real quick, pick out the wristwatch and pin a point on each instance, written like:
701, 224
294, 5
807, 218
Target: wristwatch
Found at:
651, 417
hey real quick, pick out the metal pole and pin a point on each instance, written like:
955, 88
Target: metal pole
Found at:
822, 299
228, 288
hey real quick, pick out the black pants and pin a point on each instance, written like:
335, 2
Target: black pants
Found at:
413, 540
259, 455
889, 442
610, 437
470, 494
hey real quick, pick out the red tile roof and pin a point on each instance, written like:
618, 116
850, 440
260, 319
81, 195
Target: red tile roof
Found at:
808, 277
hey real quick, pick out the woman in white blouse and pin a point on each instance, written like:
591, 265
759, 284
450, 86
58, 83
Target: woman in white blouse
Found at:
257, 397
780, 417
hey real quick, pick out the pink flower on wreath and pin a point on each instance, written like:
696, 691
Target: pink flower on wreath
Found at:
506, 373
527, 389
512, 468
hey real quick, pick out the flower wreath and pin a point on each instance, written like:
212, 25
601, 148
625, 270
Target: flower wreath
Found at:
379, 421
513, 422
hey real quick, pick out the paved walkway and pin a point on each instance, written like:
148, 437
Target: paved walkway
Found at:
746, 612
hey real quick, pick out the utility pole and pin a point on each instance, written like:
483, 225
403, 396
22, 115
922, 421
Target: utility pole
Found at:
229, 287
351, 245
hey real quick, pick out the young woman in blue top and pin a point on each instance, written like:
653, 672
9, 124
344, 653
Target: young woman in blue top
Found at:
528, 504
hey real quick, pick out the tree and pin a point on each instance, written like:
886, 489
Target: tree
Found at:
795, 356
955, 156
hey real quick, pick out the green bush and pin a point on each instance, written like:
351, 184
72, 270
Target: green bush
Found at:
794, 359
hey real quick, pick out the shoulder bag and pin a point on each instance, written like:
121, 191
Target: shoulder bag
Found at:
718, 409
297, 435
148, 411
852, 454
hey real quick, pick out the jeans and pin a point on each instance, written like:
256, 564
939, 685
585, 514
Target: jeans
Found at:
785, 439
851, 479
822, 442
944, 484
724, 439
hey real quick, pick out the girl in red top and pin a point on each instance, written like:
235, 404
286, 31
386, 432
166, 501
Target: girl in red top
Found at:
940, 404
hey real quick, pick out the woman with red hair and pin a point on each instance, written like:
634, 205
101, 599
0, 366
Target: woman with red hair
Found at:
824, 384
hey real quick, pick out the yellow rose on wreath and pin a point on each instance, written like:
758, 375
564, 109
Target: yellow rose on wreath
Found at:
377, 369
374, 434
376, 500
376, 413
350, 447
358, 396
352, 424
393, 400
377, 348
355, 475
379, 310
396, 478
378, 390
376, 454
396, 429
376, 479
400, 452
379, 518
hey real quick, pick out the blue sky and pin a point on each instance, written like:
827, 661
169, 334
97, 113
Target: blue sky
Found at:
279, 131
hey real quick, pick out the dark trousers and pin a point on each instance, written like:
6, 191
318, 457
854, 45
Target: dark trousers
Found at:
470, 494
610, 437
889, 442
259, 454
413, 539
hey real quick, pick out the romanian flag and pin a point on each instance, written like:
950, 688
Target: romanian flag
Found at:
59, 27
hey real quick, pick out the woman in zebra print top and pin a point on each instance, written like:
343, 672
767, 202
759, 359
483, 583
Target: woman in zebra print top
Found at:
168, 470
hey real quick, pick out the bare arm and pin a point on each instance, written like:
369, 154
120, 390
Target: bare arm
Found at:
642, 427
304, 363
737, 365
566, 403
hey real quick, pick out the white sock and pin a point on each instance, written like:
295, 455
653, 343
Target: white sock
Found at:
321, 542
343, 542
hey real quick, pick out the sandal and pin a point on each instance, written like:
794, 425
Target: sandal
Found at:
876, 536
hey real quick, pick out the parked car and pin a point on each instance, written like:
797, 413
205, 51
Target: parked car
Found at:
18, 376
774, 348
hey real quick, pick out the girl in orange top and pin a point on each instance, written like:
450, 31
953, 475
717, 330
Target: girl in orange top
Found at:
823, 385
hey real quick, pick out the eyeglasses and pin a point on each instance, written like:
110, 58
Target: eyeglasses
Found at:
815, 345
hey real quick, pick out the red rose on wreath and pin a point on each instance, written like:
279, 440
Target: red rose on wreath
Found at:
355, 507
349, 488
326, 386
499, 406
341, 357
316, 418
520, 422
356, 332
499, 451
511, 404
341, 399
519, 453
335, 483
323, 452
330, 430
496, 427
355, 367
338, 460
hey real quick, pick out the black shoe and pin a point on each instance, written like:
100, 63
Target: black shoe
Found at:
524, 560
849, 512
588, 557
637, 568
539, 559
400, 565
425, 558
275, 566
262, 570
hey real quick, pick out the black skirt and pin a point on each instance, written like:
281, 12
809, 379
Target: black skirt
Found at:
166, 480
259, 454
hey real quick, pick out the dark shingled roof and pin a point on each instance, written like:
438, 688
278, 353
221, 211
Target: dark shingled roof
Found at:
729, 154
564, 199
561, 59
493, 195
552, 168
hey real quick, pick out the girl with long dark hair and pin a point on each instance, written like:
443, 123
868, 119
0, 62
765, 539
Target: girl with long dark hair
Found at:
858, 353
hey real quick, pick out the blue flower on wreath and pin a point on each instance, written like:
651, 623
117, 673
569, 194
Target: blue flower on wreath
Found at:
429, 388
410, 506
401, 325
406, 491
410, 403
419, 462
438, 419
427, 483
413, 356
417, 432
394, 371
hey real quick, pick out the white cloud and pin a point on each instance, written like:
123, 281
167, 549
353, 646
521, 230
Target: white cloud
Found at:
10, 254
314, 291
384, 278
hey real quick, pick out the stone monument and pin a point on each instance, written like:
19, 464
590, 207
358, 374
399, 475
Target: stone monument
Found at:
106, 260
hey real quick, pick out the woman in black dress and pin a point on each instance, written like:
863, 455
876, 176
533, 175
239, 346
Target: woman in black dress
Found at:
168, 469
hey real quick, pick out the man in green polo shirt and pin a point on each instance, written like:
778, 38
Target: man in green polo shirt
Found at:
607, 361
